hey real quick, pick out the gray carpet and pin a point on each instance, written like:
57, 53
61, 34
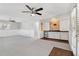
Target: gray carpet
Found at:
14, 45
26, 46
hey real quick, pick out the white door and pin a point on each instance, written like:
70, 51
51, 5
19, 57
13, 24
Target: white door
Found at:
72, 40
74, 31
77, 27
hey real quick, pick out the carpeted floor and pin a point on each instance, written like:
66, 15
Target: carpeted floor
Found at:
58, 50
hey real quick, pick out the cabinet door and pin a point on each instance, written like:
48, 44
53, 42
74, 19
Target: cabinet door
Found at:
64, 35
54, 35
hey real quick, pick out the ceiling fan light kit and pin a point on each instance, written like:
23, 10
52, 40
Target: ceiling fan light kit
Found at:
33, 11
32, 14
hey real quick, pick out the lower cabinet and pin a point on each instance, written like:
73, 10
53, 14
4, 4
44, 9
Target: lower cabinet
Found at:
64, 35
54, 35
58, 35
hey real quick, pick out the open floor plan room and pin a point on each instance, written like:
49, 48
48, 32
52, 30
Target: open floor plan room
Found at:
39, 29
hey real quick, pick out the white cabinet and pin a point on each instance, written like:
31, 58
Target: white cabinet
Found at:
59, 35
64, 35
54, 35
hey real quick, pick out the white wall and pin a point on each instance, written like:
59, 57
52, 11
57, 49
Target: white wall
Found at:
14, 10
29, 33
27, 29
30, 28
5, 33
64, 22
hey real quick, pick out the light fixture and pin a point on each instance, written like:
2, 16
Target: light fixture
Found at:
32, 14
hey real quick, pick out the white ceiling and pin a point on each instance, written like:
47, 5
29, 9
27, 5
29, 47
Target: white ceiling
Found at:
50, 9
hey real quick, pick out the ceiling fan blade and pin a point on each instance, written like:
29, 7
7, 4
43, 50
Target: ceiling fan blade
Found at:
38, 13
28, 7
39, 9
26, 12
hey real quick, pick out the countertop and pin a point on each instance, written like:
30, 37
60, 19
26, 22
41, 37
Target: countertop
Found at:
54, 31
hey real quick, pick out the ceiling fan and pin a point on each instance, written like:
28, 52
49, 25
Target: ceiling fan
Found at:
33, 11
